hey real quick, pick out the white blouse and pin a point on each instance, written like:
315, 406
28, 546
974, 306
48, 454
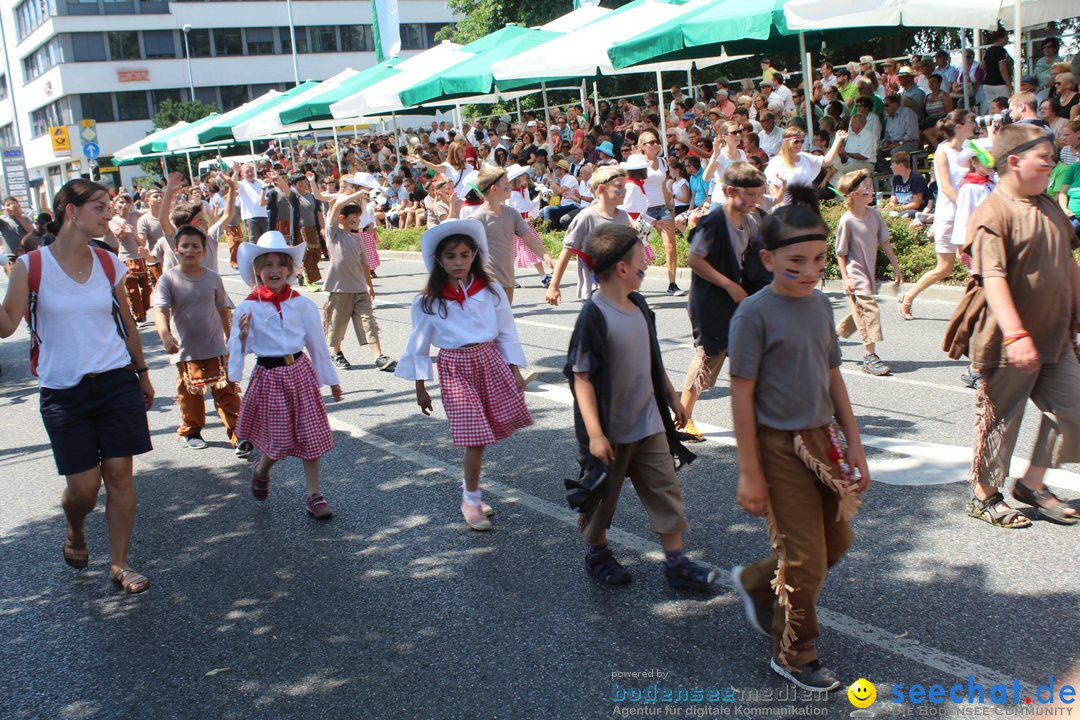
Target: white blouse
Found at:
298, 327
485, 317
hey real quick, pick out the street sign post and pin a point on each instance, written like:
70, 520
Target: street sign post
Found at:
88, 137
15, 181
91, 150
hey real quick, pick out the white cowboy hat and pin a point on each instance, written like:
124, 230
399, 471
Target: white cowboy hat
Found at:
431, 239
363, 179
269, 242
637, 161
513, 172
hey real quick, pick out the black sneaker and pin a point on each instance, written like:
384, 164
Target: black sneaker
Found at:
689, 574
812, 676
243, 450
760, 618
194, 442
603, 566
340, 362
674, 290
546, 281
385, 364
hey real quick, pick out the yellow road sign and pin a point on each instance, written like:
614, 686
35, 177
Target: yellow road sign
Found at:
61, 141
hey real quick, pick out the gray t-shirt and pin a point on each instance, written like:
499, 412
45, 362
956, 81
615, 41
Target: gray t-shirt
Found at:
740, 239
13, 234
196, 318
858, 239
149, 228
307, 209
347, 257
787, 346
584, 223
634, 415
500, 230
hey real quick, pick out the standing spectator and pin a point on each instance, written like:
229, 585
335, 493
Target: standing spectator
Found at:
997, 68
251, 194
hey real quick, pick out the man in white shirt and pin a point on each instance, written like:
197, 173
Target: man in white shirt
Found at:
251, 194
577, 160
771, 136
828, 80
782, 93
859, 151
675, 108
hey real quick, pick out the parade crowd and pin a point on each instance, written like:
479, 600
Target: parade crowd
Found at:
988, 169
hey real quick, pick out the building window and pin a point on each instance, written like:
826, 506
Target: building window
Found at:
98, 106
82, 7
356, 38
323, 38
431, 30
286, 41
30, 14
52, 115
233, 96
132, 105
227, 41
7, 136
413, 36
207, 95
199, 43
159, 43
124, 45
160, 96
260, 41
45, 57
88, 47
3, 86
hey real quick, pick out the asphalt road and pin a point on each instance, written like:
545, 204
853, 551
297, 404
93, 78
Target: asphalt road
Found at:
394, 609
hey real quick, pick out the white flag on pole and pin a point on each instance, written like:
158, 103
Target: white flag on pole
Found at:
386, 28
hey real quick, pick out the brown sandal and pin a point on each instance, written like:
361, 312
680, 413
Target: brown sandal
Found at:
1045, 502
131, 581
76, 555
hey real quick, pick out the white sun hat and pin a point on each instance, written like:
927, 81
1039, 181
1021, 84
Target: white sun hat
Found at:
272, 241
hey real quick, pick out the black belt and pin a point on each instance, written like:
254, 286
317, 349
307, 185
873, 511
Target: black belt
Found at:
274, 362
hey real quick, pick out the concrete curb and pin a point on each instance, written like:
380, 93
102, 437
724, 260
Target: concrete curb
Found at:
946, 293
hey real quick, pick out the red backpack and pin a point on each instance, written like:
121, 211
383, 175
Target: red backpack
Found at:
33, 280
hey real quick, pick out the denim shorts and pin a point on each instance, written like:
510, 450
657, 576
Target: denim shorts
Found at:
104, 416
660, 213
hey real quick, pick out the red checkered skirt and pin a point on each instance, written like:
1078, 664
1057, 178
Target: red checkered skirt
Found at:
283, 414
371, 248
523, 256
480, 395
650, 254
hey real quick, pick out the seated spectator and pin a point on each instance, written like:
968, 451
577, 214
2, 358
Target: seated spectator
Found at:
909, 189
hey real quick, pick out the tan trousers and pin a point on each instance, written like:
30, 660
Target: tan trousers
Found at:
196, 376
808, 538
651, 469
310, 237
864, 316
235, 235
999, 408
340, 309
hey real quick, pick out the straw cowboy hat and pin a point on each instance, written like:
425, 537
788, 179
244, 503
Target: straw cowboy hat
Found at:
269, 242
431, 239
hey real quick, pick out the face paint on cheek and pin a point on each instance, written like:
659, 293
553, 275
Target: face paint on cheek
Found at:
790, 275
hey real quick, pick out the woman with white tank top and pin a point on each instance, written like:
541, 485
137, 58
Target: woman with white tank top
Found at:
950, 167
94, 384
659, 210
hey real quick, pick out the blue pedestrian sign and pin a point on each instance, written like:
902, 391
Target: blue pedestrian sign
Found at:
91, 150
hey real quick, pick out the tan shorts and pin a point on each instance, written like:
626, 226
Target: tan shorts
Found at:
864, 316
344, 307
651, 469
704, 369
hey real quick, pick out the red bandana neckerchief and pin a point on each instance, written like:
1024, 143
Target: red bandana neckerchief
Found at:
977, 179
455, 292
635, 181
264, 294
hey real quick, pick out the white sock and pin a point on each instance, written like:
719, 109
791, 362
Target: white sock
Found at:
473, 497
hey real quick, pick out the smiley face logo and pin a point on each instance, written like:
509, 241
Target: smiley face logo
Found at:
862, 693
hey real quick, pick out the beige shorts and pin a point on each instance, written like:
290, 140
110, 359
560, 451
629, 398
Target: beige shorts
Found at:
864, 316
651, 469
704, 369
344, 307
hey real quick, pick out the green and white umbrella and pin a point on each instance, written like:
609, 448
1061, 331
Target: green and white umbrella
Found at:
317, 108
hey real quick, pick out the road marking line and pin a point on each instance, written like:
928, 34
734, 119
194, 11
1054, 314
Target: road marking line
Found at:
886, 640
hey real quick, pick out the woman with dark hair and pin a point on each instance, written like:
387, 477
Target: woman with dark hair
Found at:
95, 386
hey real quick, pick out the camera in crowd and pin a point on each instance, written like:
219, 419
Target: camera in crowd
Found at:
998, 119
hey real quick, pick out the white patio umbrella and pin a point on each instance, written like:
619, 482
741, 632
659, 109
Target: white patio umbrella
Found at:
982, 14
382, 97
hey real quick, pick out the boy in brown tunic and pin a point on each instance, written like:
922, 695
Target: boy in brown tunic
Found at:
1021, 247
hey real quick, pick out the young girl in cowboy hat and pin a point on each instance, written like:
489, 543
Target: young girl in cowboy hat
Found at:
467, 314
282, 412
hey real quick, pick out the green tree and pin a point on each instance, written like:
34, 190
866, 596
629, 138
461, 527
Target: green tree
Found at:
169, 113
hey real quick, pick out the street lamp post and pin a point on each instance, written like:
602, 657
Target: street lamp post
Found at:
292, 43
187, 54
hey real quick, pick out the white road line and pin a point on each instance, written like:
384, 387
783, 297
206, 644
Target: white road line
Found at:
923, 463
880, 638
